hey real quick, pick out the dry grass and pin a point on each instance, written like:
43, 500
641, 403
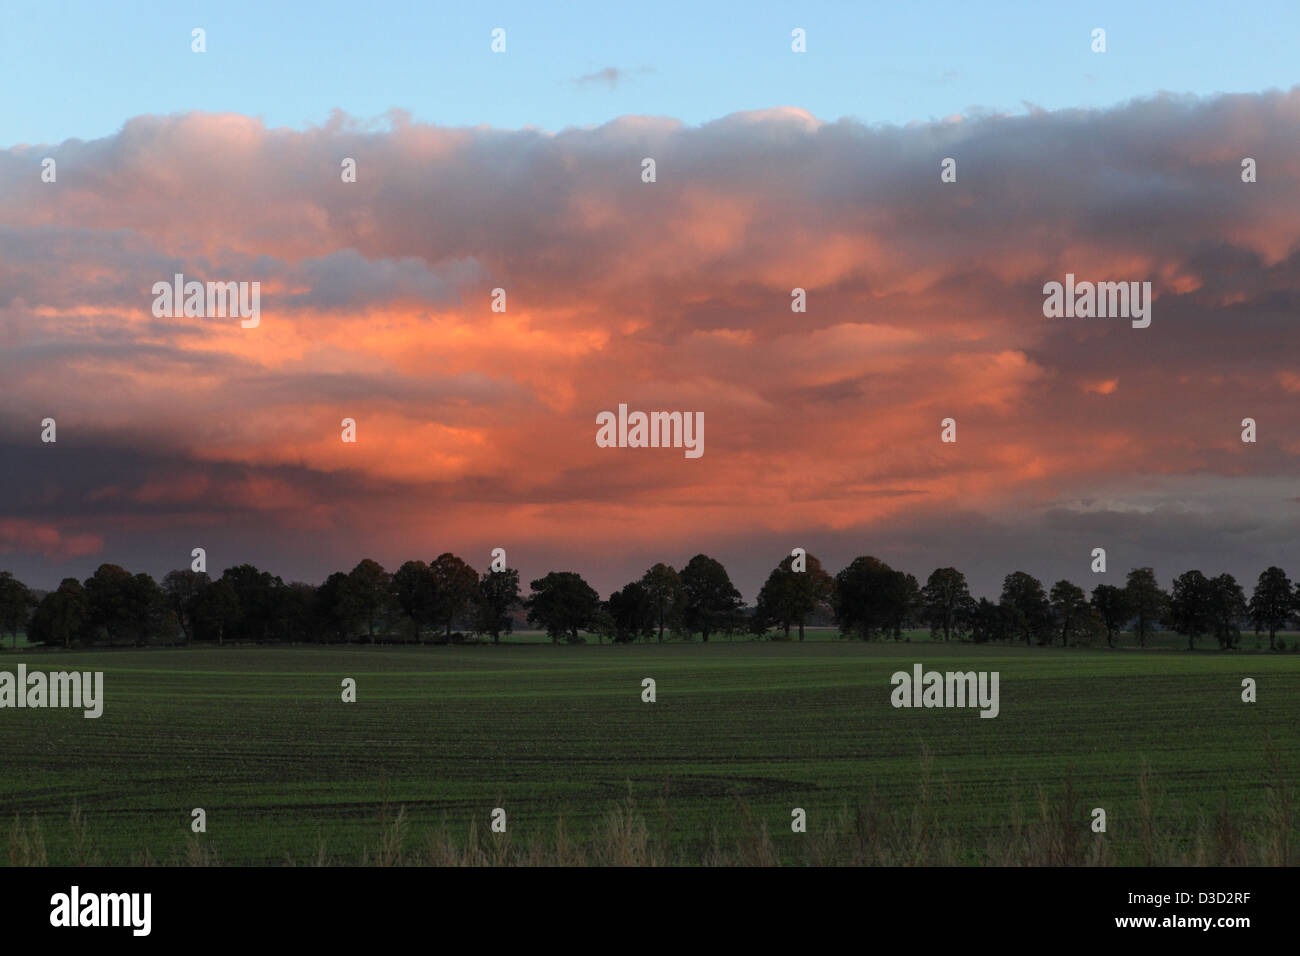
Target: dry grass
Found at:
1057, 832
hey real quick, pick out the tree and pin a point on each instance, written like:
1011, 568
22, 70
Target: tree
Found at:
632, 613
1191, 608
256, 594
904, 602
337, 606
16, 602
1147, 604
297, 611
1228, 608
562, 603
61, 616
121, 604
946, 601
1112, 607
1029, 611
372, 587
216, 610
182, 589
496, 598
789, 596
413, 588
454, 584
990, 622
1070, 606
664, 586
711, 602
1273, 603
870, 597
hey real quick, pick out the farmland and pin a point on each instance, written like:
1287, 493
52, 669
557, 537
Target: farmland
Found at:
559, 737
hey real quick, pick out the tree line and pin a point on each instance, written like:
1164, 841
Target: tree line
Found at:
446, 599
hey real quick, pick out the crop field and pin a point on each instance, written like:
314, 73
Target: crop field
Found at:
740, 734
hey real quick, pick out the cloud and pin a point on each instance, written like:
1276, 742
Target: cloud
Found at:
476, 427
610, 76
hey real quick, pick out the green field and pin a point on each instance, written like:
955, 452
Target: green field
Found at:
741, 733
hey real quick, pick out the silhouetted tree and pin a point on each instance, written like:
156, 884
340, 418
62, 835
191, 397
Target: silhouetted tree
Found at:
870, 597
16, 603
664, 586
373, 587
710, 602
1029, 611
631, 613
1112, 607
255, 592
182, 588
454, 584
216, 610
1273, 603
413, 586
1228, 608
338, 606
1147, 604
61, 616
789, 596
946, 602
1070, 607
496, 598
991, 622
562, 603
1191, 608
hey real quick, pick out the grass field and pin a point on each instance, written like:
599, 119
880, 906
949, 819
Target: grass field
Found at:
741, 733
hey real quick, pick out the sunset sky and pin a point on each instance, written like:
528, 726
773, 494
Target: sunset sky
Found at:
775, 170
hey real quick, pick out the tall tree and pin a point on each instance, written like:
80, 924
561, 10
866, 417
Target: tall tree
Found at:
789, 595
711, 602
182, 588
1191, 607
413, 586
61, 616
1070, 606
869, 597
1228, 608
1111, 604
1028, 608
562, 603
454, 584
1147, 604
16, 602
255, 592
664, 586
373, 587
632, 613
1273, 603
216, 610
946, 601
497, 597
338, 606
120, 603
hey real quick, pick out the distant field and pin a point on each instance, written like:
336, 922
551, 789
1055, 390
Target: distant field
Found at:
259, 738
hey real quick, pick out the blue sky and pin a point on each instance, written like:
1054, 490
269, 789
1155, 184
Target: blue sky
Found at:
80, 69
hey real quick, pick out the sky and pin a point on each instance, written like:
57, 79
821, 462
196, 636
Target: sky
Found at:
774, 170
